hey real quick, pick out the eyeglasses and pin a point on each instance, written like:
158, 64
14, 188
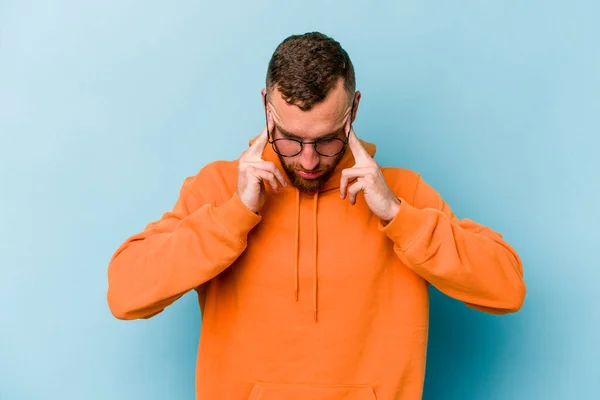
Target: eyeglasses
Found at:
289, 147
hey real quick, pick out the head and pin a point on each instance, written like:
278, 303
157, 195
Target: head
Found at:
310, 96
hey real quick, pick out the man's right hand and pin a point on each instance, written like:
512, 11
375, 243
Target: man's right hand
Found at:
253, 172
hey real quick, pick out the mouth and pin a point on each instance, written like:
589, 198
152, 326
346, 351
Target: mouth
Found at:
309, 175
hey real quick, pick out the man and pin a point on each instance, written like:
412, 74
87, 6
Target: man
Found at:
311, 262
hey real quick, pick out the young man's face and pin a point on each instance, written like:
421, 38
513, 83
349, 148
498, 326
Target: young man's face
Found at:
309, 170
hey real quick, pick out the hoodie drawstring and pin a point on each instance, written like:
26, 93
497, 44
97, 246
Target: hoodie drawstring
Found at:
297, 244
315, 272
315, 254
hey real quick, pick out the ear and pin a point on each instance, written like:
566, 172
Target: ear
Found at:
263, 95
356, 102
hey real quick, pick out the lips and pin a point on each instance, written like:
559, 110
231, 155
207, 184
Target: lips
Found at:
309, 175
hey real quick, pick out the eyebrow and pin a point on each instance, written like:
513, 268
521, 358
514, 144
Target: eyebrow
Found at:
291, 135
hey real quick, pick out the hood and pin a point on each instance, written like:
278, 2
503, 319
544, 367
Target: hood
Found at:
347, 161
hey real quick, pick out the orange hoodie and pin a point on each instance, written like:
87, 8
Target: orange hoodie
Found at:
312, 298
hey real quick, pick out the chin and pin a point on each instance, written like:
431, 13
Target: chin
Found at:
310, 186
309, 189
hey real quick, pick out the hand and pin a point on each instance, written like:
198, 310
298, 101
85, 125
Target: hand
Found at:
378, 195
253, 172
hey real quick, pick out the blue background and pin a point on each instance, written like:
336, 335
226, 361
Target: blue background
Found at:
106, 106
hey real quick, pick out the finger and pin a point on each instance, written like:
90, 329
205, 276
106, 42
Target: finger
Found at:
348, 125
354, 172
354, 190
259, 144
266, 176
272, 168
343, 185
357, 149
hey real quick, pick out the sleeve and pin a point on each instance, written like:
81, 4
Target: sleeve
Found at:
187, 247
461, 258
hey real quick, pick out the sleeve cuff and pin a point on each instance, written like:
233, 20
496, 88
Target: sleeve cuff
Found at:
234, 216
406, 227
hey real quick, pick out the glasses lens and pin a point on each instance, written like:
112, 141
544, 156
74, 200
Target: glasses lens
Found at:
287, 147
330, 146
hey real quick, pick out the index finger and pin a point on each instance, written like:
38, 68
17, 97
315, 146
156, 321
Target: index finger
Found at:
359, 152
259, 144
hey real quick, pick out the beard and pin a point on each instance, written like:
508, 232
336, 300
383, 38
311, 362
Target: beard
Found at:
309, 186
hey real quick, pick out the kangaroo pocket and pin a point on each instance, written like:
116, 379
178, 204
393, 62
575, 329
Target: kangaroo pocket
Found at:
275, 391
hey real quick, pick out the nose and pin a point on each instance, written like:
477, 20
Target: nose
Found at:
309, 158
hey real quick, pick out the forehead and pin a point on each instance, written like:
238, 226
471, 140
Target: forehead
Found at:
324, 118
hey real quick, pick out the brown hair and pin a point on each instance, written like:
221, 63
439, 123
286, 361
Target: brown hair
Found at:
304, 68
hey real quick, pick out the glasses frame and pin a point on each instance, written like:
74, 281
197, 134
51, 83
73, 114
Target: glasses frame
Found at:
302, 143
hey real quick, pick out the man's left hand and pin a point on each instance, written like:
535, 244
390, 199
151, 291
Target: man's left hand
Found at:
378, 195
